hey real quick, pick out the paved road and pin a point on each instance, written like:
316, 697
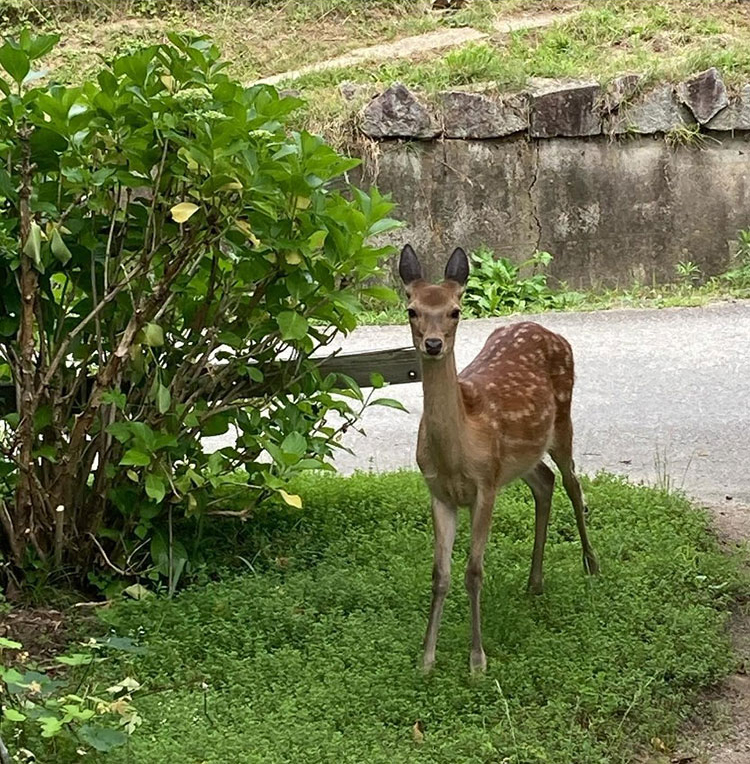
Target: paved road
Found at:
660, 395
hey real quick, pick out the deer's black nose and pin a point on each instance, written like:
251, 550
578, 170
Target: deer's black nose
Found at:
433, 346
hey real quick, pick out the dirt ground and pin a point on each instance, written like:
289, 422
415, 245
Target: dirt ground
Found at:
719, 732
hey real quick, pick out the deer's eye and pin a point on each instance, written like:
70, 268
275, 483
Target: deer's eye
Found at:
411, 312
454, 314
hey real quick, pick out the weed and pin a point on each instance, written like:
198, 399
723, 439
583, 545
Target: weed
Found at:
738, 277
689, 136
312, 657
62, 716
497, 285
688, 272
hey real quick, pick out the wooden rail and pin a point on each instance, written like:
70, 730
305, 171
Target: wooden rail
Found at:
398, 367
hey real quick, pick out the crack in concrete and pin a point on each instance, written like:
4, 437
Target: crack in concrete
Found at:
532, 201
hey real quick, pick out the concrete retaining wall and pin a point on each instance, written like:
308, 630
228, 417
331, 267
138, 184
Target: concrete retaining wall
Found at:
618, 184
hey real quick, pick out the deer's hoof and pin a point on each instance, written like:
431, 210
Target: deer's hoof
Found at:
590, 563
478, 662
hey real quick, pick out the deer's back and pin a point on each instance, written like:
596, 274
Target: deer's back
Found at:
519, 385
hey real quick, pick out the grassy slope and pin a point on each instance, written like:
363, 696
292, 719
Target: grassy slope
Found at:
312, 658
665, 39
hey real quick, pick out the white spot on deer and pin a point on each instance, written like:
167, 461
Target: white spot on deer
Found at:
519, 414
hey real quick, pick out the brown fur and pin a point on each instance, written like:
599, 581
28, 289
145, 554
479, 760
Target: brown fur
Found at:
485, 427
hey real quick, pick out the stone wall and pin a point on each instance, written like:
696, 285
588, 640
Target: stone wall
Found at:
618, 183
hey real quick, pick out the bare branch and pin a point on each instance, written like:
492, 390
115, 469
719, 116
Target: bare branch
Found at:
106, 559
63, 349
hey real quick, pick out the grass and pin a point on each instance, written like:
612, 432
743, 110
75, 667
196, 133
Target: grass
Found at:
666, 39
309, 655
258, 38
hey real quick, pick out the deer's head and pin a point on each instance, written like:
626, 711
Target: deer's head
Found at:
434, 309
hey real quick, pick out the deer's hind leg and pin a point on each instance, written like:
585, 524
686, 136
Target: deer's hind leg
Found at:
541, 480
562, 455
481, 520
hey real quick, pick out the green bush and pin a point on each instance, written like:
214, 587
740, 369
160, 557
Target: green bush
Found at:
170, 260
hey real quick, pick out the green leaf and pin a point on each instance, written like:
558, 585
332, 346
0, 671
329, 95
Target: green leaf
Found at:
9, 644
163, 399
119, 399
155, 488
317, 239
292, 325
13, 716
75, 659
215, 425
383, 225
33, 246
120, 430
124, 644
134, 457
376, 380
41, 44
50, 725
314, 464
294, 444
153, 335
8, 326
385, 294
137, 592
390, 403
59, 250
102, 739
15, 62
48, 452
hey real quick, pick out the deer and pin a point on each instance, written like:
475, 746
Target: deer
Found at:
483, 428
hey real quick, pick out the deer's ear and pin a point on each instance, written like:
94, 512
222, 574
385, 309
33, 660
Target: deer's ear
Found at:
408, 266
457, 268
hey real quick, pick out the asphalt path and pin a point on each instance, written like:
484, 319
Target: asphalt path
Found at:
661, 396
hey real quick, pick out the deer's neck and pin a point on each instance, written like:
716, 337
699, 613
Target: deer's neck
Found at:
443, 415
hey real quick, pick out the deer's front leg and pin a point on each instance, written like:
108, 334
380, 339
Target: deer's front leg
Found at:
444, 525
481, 520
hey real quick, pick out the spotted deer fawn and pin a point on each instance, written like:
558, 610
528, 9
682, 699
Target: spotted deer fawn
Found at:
485, 427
